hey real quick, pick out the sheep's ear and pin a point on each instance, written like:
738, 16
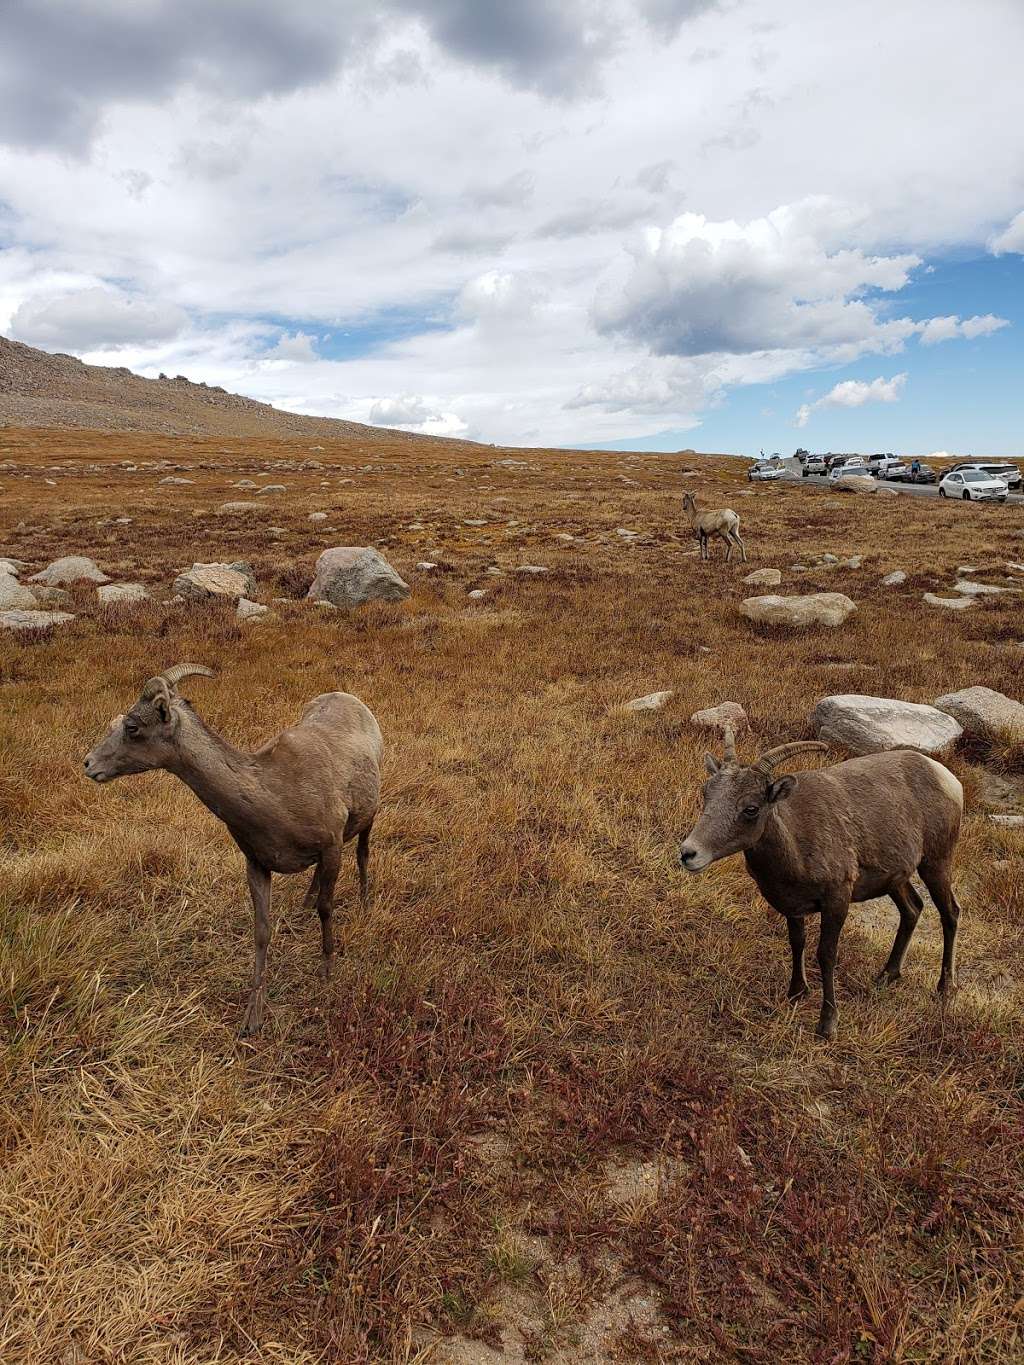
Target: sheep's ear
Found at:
779, 790
711, 764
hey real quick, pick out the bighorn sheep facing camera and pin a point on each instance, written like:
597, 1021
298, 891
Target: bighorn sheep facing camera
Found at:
290, 805
816, 841
723, 523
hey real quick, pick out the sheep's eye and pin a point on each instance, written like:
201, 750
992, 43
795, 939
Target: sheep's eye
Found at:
751, 812
131, 729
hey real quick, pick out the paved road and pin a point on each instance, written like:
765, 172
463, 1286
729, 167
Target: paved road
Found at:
917, 490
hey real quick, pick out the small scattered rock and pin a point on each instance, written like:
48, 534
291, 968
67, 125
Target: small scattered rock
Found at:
318, 516
33, 620
532, 568
13, 596
425, 566
764, 578
204, 581
953, 603
476, 594
814, 609
250, 611
894, 579
112, 594
970, 588
70, 569
727, 713
870, 725
180, 483
237, 509
1008, 821
273, 488
654, 701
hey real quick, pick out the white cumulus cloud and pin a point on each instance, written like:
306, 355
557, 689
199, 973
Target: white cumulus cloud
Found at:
95, 318
946, 329
1011, 239
854, 393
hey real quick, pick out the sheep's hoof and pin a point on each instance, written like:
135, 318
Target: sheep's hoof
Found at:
796, 993
887, 978
947, 987
252, 1020
828, 1026
325, 970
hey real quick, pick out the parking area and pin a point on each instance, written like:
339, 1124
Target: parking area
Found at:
794, 470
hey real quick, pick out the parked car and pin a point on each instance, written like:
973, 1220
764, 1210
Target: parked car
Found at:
972, 486
1009, 473
924, 473
887, 467
762, 472
802, 456
815, 464
851, 469
997, 469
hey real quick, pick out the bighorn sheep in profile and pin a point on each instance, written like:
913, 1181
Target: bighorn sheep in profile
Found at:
723, 523
819, 840
290, 805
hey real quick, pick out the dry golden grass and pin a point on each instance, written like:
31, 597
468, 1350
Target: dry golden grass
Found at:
552, 1099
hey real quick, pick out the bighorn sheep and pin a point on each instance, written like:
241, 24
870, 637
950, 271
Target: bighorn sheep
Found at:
817, 841
723, 523
290, 805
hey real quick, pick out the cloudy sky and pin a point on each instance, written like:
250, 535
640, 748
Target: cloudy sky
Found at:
726, 224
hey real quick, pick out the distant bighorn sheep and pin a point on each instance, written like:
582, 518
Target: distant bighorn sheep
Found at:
723, 523
290, 805
817, 841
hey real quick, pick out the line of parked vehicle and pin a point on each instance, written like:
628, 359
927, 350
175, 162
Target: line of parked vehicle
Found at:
969, 480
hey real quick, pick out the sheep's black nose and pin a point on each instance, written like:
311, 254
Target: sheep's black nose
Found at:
687, 854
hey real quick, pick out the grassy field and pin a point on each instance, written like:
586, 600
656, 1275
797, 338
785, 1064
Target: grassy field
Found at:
553, 1106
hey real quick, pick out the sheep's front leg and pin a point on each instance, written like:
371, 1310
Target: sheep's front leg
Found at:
833, 917
798, 987
259, 890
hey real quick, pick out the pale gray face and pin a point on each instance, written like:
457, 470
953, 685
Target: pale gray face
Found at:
137, 742
737, 801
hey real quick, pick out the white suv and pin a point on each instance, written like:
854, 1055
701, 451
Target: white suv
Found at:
972, 486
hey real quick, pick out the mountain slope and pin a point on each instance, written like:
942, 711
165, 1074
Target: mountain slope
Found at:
39, 389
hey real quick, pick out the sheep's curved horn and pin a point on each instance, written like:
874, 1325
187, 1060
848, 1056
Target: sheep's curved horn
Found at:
729, 744
770, 760
173, 676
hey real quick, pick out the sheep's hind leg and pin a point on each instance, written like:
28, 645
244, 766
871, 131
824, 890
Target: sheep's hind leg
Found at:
259, 890
910, 905
743, 552
363, 866
330, 863
938, 880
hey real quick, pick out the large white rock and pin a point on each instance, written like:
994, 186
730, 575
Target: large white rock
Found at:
33, 620
12, 566
813, 609
971, 588
855, 483
239, 509
869, 725
13, 595
114, 594
350, 575
204, 581
982, 711
764, 578
70, 569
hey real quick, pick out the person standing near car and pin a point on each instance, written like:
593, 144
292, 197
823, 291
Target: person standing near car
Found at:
915, 468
